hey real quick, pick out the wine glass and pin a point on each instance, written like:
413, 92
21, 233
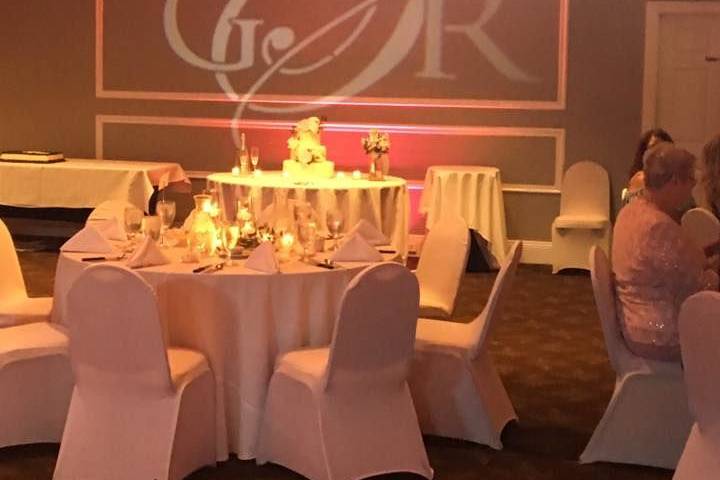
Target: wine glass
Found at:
133, 221
165, 209
254, 157
334, 220
151, 226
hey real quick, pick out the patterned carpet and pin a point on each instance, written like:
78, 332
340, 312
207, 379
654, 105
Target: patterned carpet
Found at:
549, 349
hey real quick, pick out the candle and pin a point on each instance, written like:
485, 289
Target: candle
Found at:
356, 174
340, 175
285, 174
286, 244
257, 172
235, 171
247, 229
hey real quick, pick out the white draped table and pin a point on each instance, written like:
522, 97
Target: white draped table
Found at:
84, 183
240, 320
385, 204
473, 192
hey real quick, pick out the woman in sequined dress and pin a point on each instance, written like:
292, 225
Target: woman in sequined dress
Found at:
656, 267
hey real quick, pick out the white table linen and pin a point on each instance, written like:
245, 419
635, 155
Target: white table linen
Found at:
240, 320
85, 183
384, 204
474, 193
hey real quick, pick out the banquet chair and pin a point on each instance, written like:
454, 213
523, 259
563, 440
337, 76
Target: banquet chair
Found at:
345, 412
16, 307
455, 386
584, 218
701, 226
109, 209
441, 266
699, 340
647, 420
35, 383
138, 410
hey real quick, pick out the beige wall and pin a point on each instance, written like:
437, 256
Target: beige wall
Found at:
47, 100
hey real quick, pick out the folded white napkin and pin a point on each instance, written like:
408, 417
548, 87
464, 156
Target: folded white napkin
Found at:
88, 240
356, 249
110, 228
263, 259
368, 231
148, 254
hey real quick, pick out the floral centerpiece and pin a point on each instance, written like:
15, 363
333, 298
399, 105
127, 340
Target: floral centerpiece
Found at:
377, 146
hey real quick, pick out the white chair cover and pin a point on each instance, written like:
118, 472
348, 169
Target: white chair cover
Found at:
16, 307
345, 412
137, 411
647, 420
701, 225
441, 266
699, 341
110, 209
584, 218
35, 383
455, 386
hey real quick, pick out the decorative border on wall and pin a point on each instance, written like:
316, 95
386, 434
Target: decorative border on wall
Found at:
654, 11
559, 103
557, 134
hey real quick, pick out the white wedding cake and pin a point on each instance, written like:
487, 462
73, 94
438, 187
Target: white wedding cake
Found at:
308, 157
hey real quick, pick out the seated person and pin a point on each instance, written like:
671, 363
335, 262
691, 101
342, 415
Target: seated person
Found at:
707, 193
656, 267
648, 139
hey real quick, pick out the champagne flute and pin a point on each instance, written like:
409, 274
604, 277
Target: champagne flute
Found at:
254, 157
166, 211
334, 220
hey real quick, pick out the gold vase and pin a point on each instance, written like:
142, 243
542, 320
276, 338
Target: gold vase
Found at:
378, 165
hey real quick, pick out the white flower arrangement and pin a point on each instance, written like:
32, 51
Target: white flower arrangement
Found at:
304, 144
376, 142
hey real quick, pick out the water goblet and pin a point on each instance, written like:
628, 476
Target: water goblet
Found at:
229, 235
165, 209
151, 226
254, 157
307, 233
334, 222
133, 221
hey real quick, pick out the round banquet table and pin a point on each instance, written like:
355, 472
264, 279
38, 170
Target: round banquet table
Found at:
385, 203
240, 320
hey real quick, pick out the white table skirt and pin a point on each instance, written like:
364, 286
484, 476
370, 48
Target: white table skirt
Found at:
84, 183
385, 204
240, 320
473, 192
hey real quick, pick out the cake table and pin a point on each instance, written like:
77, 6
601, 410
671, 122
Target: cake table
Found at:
385, 203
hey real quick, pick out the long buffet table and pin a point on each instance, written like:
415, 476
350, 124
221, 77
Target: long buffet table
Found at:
85, 183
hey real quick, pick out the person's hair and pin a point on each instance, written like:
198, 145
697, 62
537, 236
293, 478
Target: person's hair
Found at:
665, 161
711, 169
655, 133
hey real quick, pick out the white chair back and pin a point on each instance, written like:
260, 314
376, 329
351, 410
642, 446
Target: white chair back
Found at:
116, 342
444, 257
484, 323
109, 209
699, 325
604, 292
375, 331
585, 190
11, 279
701, 226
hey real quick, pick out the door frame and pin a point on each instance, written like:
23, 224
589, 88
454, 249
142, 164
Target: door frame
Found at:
654, 11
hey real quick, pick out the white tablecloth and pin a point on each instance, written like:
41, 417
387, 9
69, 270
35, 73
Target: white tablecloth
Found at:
385, 204
475, 193
84, 183
240, 320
